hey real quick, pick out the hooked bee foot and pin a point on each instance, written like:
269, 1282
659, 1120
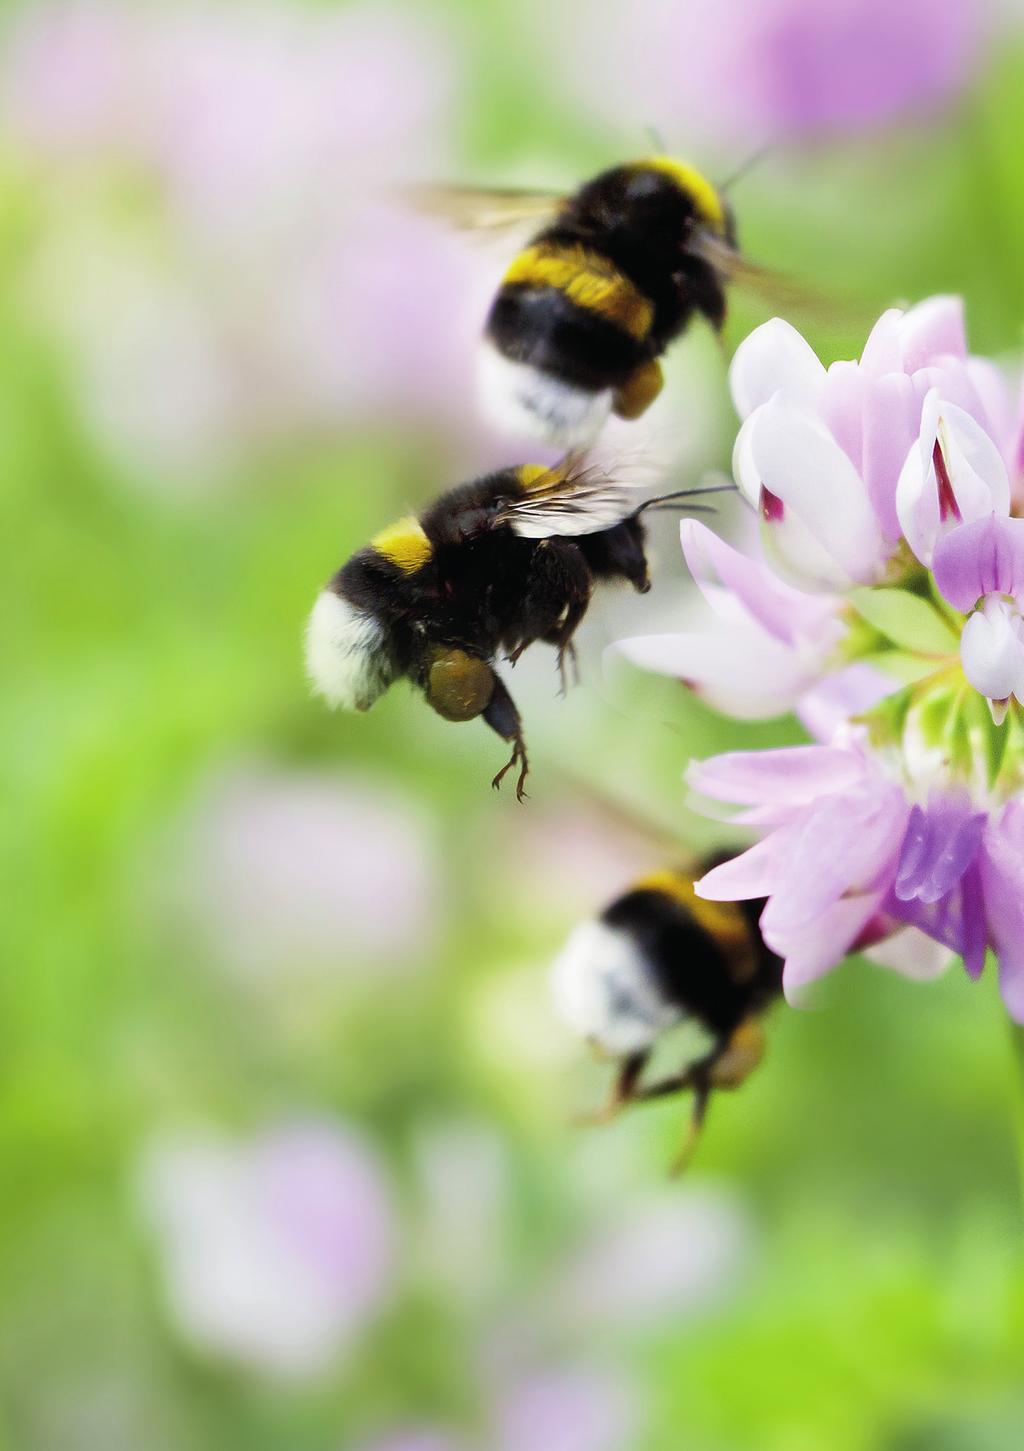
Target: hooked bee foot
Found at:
519, 758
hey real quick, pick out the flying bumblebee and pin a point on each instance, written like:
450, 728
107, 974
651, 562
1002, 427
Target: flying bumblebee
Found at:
614, 274
659, 956
490, 567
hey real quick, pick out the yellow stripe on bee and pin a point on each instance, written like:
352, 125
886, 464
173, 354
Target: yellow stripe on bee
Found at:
697, 187
724, 921
404, 544
587, 279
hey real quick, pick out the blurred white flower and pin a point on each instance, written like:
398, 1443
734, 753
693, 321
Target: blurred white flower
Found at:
298, 871
276, 1251
672, 1255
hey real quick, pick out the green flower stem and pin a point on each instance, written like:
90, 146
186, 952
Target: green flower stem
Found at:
1017, 1046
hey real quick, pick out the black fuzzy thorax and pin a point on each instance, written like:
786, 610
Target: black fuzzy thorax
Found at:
690, 967
643, 222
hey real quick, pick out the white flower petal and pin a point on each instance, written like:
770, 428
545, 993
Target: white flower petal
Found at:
992, 650
800, 462
774, 356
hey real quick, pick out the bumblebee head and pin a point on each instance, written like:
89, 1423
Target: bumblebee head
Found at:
459, 686
708, 207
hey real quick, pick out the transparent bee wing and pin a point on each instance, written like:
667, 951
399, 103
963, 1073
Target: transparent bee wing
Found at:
764, 282
584, 494
476, 209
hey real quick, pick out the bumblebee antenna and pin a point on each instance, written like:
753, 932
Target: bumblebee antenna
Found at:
746, 166
684, 494
656, 139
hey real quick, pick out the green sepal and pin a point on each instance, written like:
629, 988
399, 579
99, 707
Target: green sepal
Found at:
906, 619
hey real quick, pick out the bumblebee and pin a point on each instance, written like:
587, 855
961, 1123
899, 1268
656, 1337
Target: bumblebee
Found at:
657, 957
615, 274
489, 568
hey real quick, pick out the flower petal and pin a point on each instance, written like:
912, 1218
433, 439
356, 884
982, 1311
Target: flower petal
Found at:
790, 776
820, 944
780, 610
844, 845
837, 697
773, 356
800, 462
750, 875
913, 954
983, 557
891, 428
883, 351
741, 670
975, 477
992, 651
931, 330
940, 844
1002, 880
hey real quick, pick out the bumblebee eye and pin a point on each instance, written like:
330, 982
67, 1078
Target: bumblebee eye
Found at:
459, 686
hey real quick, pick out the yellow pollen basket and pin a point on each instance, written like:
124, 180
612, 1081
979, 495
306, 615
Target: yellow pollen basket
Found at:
697, 187
724, 921
404, 544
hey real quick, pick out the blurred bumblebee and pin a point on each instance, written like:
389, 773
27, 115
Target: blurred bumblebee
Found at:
490, 567
657, 957
614, 274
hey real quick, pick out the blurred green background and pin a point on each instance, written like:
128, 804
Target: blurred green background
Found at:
285, 1150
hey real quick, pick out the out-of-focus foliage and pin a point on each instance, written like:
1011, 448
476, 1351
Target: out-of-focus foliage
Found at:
273, 985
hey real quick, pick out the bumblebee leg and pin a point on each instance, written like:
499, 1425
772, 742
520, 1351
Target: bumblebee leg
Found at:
568, 664
698, 1112
729, 1064
623, 1092
501, 715
740, 1055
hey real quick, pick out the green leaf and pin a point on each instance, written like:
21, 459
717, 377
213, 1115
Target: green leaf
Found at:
907, 620
994, 739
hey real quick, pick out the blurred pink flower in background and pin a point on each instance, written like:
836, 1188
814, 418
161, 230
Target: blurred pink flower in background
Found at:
268, 136
277, 1250
569, 1409
298, 871
668, 1256
751, 72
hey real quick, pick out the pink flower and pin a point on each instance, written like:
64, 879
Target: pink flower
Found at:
289, 872
275, 1251
849, 858
747, 70
668, 1257
265, 290
827, 456
564, 1410
979, 567
760, 645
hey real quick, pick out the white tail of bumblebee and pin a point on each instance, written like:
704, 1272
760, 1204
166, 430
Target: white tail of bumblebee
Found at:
605, 993
525, 402
347, 656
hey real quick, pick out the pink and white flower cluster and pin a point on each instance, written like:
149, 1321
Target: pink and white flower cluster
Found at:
888, 612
